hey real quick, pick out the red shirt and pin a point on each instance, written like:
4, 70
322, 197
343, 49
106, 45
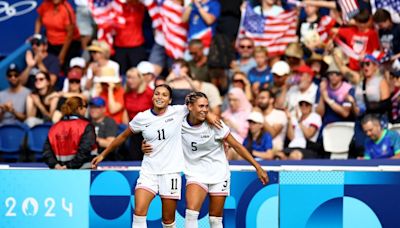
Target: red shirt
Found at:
138, 102
119, 98
56, 19
361, 42
131, 35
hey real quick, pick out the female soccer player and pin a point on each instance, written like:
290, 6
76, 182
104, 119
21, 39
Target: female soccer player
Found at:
206, 166
160, 171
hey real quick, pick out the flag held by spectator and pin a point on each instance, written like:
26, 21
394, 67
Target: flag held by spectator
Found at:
167, 20
325, 26
349, 9
107, 14
275, 33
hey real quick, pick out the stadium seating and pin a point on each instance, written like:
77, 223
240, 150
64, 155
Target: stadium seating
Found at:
12, 137
37, 136
395, 127
336, 139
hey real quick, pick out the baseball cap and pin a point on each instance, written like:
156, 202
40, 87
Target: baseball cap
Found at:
280, 68
77, 62
38, 39
256, 117
370, 58
145, 67
13, 68
305, 98
97, 102
304, 69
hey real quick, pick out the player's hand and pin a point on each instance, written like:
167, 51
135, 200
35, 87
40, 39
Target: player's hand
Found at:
146, 148
97, 160
214, 120
262, 175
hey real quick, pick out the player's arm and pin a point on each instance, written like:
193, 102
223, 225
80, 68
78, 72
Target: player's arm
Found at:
239, 148
114, 145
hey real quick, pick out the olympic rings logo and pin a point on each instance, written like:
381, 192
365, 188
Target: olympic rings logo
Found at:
8, 11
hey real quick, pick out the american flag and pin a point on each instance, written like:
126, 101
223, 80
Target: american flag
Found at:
167, 19
349, 9
274, 33
107, 14
393, 6
324, 28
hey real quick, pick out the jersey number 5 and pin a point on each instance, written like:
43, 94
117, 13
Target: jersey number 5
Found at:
194, 146
161, 134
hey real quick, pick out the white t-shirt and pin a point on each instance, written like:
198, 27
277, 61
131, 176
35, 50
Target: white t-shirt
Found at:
204, 153
273, 12
110, 64
299, 140
163, 133
277, 117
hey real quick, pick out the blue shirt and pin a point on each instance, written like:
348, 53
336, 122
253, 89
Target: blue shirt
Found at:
262, 77
386, 146
196, 22
264, 145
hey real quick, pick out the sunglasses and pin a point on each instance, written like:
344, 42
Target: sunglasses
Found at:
246, 47
12, 75
75, 81
367, 64
39, 79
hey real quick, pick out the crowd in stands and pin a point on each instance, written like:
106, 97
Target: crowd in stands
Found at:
276, 105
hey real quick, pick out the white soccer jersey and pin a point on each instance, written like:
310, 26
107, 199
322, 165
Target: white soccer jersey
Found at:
203, 149
163, 133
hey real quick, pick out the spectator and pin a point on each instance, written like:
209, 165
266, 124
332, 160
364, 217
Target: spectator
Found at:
38, 110
113, 94
381, 142
318, 65
275, 121
305, 86
246, 61
294, 55
71, 143
362, 38
104, 127
268, 8
260, 76
308, 24
213, 95
78, 65
180, 81
74, 89
86, 25
335, 96
101, 65
280, 72
395, 96
198, 64
235, 117
137, 98
389, 32
58, 19
303, 130
258, 142
202, 16
148, 71
129, 39
13, 99
239, 80
39, 59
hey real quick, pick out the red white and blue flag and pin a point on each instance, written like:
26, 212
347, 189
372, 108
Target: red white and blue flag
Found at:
274, 33
324, 28
393, 6
167, 20
349, 9
108, 14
